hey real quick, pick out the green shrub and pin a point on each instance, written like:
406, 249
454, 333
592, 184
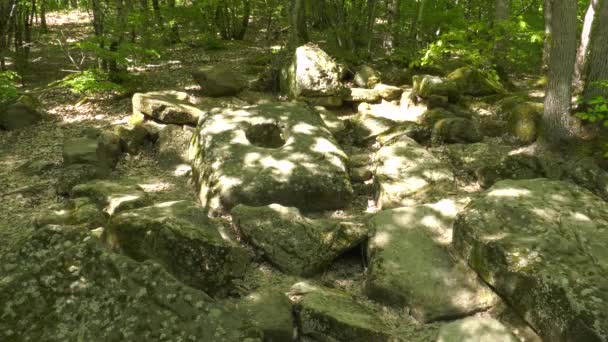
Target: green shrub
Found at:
91, 82
596, 109
8, 87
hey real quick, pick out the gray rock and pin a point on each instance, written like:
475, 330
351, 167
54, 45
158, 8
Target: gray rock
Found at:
132, 137
271, 312
433, 116
407, 174
310, 73
330, 315
82, 211
367, 77
18, 115
387, 92
475, 329
216, 81
293, 242
365, 127
169, 107
102, 151
419, 133
541, 245
426, 86
179, 236
471, 81
407, 268
62, 284
456, 130
273, 153
112, 197
331, 120
173, 144
362, 95
75, 174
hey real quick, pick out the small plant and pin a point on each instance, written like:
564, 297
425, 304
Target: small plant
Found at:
91, 82
596, 109
8, 87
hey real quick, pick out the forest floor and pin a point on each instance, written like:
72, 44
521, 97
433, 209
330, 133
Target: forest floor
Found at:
22, 196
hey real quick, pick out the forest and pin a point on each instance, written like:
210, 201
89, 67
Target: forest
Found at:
304, 170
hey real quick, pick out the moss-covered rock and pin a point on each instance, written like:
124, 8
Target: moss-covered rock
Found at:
112, 197
169, 107
133, 138
271, 312
61, 284
432, 116
179, 236
419, 133
367, 77
75, 174
18, 115
362, 95
102, 151
408, 174
523, 118
294, 243
216, 81
426, 86
301, 166
540, 244
408, 268
475, 329
456, 130
82, 211
471, 81
173, 144
310, 72
365, 127
387, 92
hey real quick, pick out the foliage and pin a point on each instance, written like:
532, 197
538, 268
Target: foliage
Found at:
91, 82
596, 109
8, 87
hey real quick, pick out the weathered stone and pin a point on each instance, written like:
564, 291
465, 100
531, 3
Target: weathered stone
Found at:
330, 315
167, 106
102, 152
331, 120
408, 174
456, 130
413, 130
387, 92
271, 312
362, 95
360, 174
475, 329
516, 166
274, 153
426, 86
179, 236
470, 81
310, 73
18, 115
408, 268
468, 159
132, 137
82, 211
112, 197
173, 144
411, 107
75, 174
293, 242
366, 77
62, 284
365, 127
540, 244
523, 118
216, 81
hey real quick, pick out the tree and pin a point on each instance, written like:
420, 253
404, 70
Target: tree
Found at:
557, 122
598, 56
583, 49
297, 20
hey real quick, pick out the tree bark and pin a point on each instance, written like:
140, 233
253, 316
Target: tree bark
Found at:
598, 56
557, 122
583, 49
547, 11
299, 31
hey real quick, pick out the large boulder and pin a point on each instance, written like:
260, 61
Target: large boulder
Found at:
179, 236
18, 115
523, 118
133, 138
62, 284
456, 130
426, 86
216, 81
311, 73
471, 81
408, 174
541, 245
271, 312
271, 153
294, 243
408, 268
366, 77
387, 92
362, 95
169, 107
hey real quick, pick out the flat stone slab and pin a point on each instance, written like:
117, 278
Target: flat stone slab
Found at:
271, 153
407, 174
294, 243
541, 244
409, 268
179, 236
169, 107
112, 197
475, 329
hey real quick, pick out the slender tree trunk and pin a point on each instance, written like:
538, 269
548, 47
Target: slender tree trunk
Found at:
502, 14
299, 31
557, 122
598, 56
240, 35
583, 49
43, 25
547, 10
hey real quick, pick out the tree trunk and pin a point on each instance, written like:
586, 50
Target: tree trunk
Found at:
502, 14
583, 49
240, 35
557, 122
299, 31
43, 25
598, 56
548, 23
